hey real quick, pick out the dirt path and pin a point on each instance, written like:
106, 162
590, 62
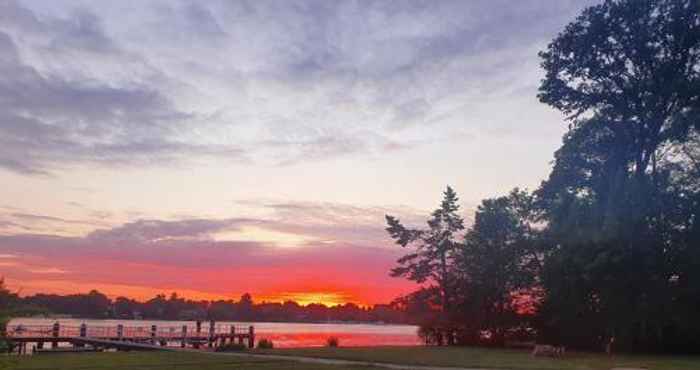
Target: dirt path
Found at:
329, 361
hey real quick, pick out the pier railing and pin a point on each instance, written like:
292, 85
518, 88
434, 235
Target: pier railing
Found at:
103, 331
211, 334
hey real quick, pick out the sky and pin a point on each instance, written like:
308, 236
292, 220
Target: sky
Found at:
222, 147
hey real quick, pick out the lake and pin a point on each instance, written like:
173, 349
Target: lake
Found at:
283, 334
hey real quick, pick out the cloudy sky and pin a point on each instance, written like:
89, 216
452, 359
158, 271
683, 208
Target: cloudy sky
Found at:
222, 147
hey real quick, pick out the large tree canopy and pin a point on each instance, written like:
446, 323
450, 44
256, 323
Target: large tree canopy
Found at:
621, 201
634, 63
500, 259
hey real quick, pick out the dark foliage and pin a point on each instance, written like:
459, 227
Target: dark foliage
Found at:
621, 203
333, 342
265, 344
498, 264
433, 252
7, 302
489, 270
607, 250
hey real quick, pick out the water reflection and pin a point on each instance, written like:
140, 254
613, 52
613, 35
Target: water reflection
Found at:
284, 335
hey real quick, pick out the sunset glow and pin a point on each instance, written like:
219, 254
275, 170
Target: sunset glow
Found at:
214, 149
256, 234
306, 298
219, 182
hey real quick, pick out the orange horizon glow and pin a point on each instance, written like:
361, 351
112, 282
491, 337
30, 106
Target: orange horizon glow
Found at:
201, 272
142, 294
328, 299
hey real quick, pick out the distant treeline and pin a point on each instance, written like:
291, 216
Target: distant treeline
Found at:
96, 305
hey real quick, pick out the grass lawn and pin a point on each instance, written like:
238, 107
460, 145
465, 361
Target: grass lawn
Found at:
494, 358
430, 356
155, 361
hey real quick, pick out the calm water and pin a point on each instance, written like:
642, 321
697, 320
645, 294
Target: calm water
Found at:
282, 334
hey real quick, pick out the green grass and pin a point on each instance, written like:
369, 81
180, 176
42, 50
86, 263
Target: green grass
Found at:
429, 356
494, 358
157, 361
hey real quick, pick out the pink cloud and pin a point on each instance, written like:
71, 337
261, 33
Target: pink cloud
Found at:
155, 255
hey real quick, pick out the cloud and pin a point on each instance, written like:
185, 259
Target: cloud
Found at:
148, 231
262, 81
43, 218
304, 223
49, 118
322, 227
335, 222
5, 224
19, 222
46, 121
48, 270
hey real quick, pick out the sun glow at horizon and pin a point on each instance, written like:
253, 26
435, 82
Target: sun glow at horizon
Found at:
142, 293
329, 299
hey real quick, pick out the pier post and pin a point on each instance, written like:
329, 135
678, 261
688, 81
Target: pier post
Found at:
82, 334
184, 336
198, 335
54, 332
120, 332
251, 337
154, 331
212, 330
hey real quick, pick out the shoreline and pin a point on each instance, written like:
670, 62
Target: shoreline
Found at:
218, 321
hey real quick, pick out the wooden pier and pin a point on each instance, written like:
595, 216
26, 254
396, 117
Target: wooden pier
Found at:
122, 337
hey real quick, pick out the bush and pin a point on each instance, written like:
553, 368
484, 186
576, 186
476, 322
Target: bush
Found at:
430, 335
332, 342
265, 344
438, 334
231, 347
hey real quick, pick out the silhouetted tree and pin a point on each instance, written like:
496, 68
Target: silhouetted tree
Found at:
245, 307
633, 64
126, 308
432, 259
6, 299
619, 206
500, 258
